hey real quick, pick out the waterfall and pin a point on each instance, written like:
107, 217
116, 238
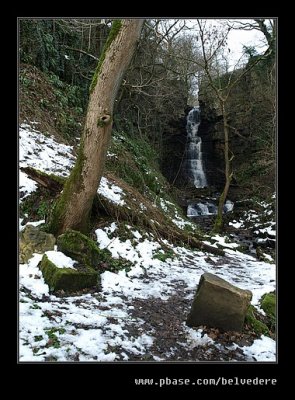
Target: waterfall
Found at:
194, 163
206, 207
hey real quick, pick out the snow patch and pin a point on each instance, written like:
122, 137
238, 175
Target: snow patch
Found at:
111, 192
60, 260
196, 338
43, 153
262, 349
26, 185
236, 225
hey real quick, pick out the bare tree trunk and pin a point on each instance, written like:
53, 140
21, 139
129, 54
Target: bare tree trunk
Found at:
73, 207
227, 170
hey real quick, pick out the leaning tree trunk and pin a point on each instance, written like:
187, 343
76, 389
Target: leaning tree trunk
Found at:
228, 172
73, 208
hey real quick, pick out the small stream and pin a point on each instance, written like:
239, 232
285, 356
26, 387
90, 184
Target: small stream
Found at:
247, 234
202, 209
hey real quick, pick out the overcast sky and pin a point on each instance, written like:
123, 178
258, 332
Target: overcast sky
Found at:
238, 38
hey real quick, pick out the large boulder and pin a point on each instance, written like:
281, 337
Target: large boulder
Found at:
33, 240
219, 304
81, 248
67, 279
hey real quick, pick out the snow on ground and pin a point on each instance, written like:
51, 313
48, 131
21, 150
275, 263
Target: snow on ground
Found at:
223, 241
101, 326
251, 219
45, 154
95, 327
197, 338
34, 223
169, 208
26, 185
111, 191
236, 224
262, 349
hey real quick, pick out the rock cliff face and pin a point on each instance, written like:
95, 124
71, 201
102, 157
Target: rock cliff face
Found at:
174, 144
174, 141
211, 133
250, 108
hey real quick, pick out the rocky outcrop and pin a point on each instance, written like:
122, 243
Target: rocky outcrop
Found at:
67, 279
211, 133
174, 141
219, 304
33, 240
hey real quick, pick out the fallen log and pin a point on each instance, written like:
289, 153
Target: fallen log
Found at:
51, 182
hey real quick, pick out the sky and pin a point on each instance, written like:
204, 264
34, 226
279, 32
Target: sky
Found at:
238, 38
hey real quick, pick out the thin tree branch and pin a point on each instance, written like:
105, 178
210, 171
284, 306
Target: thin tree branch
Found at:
81, 51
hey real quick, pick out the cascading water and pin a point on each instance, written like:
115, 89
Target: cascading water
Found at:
194, 163
194, 170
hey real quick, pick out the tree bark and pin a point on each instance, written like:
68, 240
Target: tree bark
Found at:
227, 171
51, 182
74, 205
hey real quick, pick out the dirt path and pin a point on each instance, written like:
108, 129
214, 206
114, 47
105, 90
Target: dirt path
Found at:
164, 320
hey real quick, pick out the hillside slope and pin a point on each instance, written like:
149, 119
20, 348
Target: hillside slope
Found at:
139, 312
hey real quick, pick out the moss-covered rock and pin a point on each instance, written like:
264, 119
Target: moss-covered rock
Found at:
81, 248
33, 240
67, 279
268, 304
257, 326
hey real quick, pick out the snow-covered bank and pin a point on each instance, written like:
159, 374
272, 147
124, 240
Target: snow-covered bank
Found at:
45, 154
96, 326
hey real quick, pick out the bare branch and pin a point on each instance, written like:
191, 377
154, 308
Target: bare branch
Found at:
81, 51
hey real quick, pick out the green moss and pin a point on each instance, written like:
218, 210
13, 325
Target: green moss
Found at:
218, 224
268, 304
254, 324
163, 256
35, 307
43, 209
116, 26
59, 179
81, 248
53, 339
136, 163
37, 206
66, 279
72, 184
